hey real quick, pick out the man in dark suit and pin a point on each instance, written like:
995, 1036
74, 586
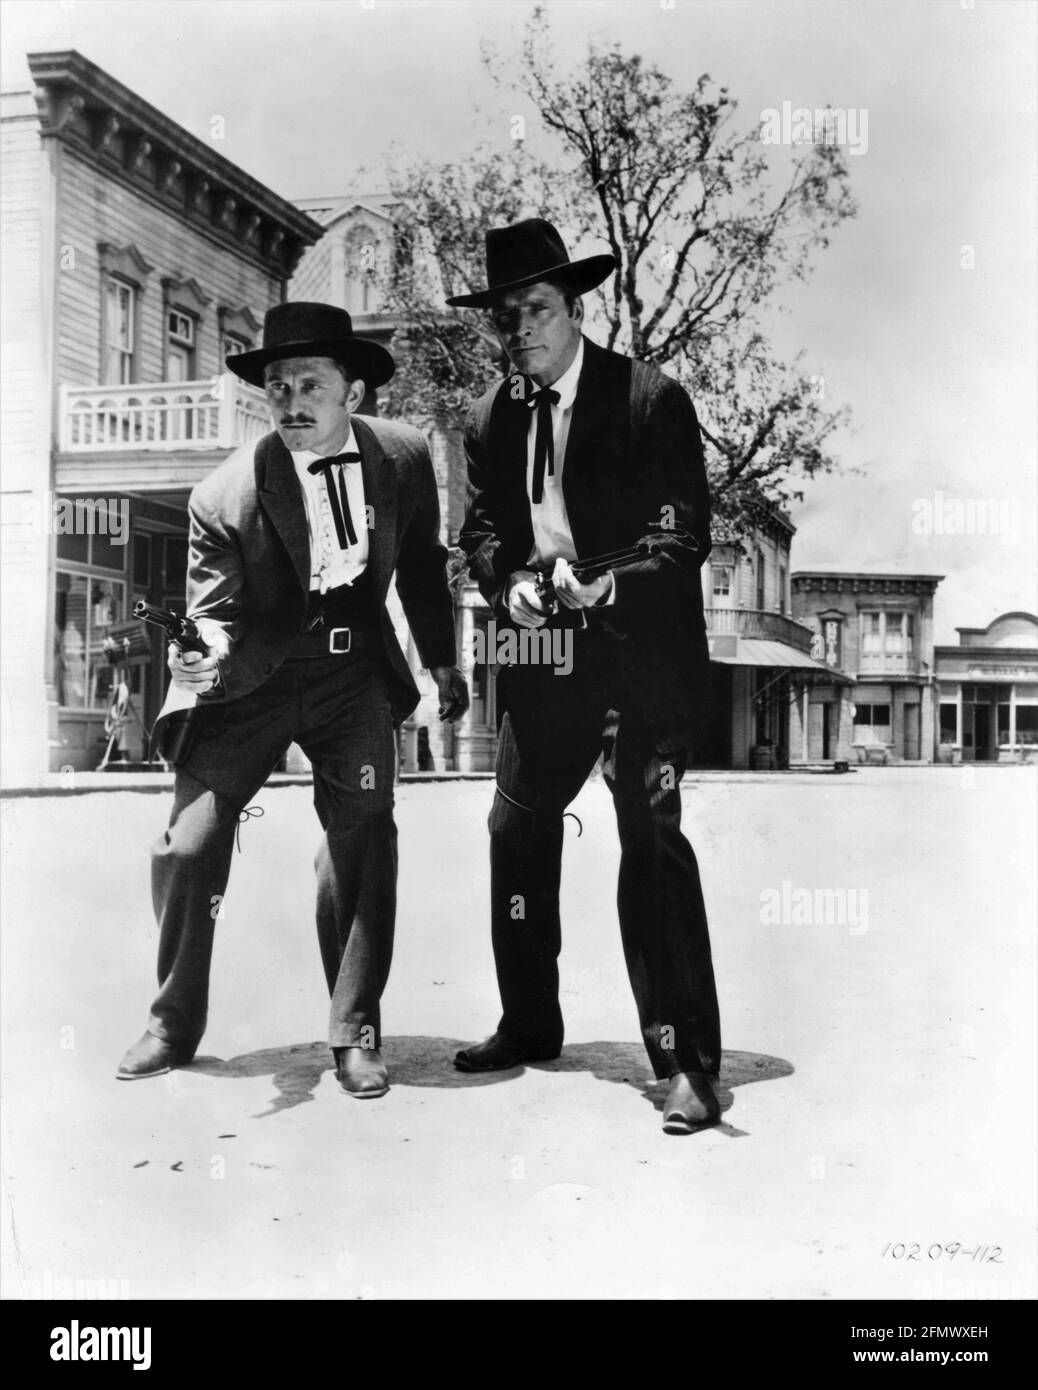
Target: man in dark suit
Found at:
582, 452
293, 543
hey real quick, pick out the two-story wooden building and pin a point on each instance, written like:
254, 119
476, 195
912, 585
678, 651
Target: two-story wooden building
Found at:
134, 257
876, 629
761, 661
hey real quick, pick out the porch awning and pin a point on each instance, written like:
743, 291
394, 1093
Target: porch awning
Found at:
757, 651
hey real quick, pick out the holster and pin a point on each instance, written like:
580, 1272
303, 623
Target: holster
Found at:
173, 736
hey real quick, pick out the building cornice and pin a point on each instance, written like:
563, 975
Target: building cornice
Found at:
804, 581
128, 139
973, 654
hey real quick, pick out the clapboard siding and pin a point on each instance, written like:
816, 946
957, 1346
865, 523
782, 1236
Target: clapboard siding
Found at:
93, 208
20, 297
775, 554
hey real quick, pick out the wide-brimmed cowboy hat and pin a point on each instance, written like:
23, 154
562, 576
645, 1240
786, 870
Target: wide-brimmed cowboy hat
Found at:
301, 329
527, 252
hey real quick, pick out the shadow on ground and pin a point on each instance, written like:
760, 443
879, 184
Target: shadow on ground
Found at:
296, 1070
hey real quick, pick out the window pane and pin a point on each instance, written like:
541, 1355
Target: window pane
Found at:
948, 725
142, 560
1003, 723
70, 638
108, 543
1027, 723
76, 545
174, 575
106, 607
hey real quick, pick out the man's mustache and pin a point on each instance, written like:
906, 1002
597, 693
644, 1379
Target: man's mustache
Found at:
296, 420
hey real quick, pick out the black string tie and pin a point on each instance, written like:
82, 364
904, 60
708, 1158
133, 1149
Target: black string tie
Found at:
544, 440
340, 503
248, 814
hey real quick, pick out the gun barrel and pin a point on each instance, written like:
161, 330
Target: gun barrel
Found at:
148, 613
615, 560
180, 630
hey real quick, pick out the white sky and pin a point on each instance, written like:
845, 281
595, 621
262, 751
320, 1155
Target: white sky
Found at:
937, 362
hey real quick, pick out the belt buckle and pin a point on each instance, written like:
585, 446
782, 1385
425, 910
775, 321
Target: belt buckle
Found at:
335, 642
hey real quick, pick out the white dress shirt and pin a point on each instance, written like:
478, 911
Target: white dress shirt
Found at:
552, 532
330, 565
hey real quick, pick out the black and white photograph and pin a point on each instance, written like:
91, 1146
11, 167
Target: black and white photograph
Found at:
519, 662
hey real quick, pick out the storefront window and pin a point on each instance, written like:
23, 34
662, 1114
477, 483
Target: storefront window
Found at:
872, 724
1027, 724
84, 608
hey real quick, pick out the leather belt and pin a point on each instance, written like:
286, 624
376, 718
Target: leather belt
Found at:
330, 641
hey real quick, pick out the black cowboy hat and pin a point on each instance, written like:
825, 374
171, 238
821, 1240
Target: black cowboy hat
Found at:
301, 329
527, 252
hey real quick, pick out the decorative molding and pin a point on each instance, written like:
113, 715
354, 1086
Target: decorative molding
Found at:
807, 582
124, 261
186, 295
58, 109
141, 151
68, 85
242, 322
172, 171
107, 130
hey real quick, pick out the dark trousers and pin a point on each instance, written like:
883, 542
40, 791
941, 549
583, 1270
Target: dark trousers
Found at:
551, 737
337, 709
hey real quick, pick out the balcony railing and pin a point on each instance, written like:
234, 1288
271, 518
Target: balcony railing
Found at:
758, 622
889, 664
219, 413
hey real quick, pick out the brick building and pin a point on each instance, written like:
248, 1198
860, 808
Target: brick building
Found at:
134, 258
876, 629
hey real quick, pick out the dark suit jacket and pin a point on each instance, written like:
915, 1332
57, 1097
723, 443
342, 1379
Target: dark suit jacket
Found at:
249, 565
634, 450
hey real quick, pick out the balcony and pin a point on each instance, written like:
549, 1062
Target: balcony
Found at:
890, 664
219, 413
758, 622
